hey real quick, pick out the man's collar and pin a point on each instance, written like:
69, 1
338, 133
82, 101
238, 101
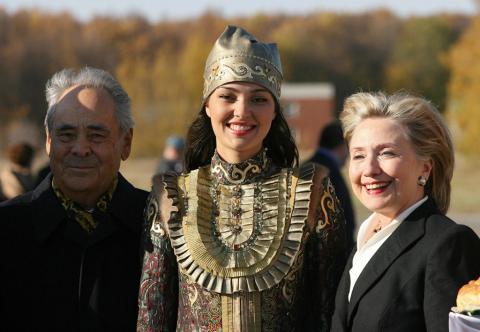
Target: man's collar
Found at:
47, 209
126, 202
80, 214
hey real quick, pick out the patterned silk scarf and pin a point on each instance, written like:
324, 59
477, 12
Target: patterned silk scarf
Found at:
82, 216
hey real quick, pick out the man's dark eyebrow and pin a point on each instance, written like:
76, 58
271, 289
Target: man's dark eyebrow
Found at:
64, 127
98, 127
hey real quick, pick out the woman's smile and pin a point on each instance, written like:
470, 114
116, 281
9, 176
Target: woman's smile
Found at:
240, 129
377, 188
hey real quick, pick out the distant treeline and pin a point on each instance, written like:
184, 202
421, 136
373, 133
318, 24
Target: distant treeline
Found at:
161, 64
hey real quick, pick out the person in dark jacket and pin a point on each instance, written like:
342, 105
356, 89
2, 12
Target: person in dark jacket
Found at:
17, 177
332, 153
69, 249
410, 258
171, 160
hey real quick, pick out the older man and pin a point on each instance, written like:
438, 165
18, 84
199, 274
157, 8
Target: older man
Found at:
69, 258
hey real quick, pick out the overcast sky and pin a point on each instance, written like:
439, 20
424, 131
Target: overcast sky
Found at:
177, 9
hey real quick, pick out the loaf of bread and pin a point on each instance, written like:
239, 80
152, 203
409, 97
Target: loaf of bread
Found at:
468, 298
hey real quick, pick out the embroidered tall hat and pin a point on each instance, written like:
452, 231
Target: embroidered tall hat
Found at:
237, 56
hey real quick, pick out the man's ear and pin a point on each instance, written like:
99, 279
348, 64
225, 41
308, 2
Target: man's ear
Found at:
126, 144
48, 142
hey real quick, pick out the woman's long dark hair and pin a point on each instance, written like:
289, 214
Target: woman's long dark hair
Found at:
200, 145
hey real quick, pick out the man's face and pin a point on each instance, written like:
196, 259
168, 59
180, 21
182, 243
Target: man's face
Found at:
85, 144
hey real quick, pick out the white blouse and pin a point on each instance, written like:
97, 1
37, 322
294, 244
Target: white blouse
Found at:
366, 250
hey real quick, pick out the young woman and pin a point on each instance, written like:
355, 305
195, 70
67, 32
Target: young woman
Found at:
242, 241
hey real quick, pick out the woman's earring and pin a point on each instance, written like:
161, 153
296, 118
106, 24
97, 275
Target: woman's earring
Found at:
422, 181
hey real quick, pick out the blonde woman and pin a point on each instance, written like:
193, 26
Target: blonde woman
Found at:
410, 258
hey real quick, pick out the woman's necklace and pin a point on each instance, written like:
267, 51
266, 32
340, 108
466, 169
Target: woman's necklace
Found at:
378, 227
234, 227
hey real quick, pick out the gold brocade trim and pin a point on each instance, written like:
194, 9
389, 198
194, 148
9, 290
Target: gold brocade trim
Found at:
241, 312
232, 68
257, 267
239, 173
327, 205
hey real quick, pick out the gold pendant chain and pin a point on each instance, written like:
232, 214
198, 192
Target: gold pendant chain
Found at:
378, 227
234, 221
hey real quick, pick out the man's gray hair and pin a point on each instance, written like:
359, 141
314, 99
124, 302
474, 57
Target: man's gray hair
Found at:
93, 78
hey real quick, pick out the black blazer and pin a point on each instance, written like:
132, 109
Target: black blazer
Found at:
412, 281
56, 278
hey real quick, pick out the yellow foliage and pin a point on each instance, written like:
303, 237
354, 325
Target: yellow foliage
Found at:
161, 64
464, 90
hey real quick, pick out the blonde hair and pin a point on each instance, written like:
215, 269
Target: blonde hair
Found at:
424, 126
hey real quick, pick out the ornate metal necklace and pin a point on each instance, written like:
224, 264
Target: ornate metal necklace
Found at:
236, 214
229, 237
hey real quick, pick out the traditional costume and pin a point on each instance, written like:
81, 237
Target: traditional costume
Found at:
242, 247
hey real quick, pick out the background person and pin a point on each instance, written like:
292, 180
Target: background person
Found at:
332, 153
70, 248
242, 241
172, 158
410, 259
17, 178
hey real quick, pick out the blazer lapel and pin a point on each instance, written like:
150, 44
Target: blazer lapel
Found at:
341, 297
410, 230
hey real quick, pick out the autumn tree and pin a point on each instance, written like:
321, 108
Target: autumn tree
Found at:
349, 51
161, 64
417, 63
29, 57
464, 90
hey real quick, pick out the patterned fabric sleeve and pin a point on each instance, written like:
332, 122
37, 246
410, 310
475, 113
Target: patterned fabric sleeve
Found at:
325, 259
158, 295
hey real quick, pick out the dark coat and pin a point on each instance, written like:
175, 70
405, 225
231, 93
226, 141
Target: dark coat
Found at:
56, 278
341, 189
412, 281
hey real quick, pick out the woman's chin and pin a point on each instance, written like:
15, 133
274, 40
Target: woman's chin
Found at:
378, 206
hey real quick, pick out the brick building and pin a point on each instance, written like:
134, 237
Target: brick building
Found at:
308, 107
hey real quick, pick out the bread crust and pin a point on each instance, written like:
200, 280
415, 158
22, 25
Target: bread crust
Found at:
468, 298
